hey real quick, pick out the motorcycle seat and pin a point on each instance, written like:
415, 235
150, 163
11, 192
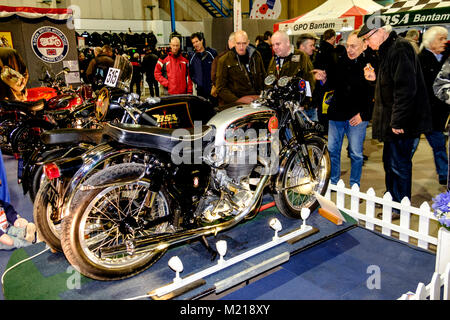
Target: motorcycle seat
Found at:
71, 135
27, 106
159, 138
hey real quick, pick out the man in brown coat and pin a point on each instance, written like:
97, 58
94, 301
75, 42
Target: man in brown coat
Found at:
240, 73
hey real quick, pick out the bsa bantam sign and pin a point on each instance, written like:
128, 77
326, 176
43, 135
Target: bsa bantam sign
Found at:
50, 44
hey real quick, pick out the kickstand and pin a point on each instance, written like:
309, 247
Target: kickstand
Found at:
208, 247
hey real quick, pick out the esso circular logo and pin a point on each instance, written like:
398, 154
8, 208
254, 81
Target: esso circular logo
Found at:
50, 44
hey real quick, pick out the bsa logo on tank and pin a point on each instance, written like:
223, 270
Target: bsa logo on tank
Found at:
50, 44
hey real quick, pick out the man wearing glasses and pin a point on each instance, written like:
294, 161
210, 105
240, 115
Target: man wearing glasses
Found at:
402, 110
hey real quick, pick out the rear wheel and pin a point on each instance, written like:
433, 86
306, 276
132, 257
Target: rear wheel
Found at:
47, 204
45, 215
296, 190
105, 218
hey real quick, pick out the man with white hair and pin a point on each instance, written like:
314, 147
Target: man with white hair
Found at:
402, 111
432, 56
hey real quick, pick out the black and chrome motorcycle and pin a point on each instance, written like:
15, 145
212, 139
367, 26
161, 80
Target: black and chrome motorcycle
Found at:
185, 184
69, 156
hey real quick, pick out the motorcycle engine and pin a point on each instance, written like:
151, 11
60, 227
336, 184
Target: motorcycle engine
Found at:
231, 190
228, 200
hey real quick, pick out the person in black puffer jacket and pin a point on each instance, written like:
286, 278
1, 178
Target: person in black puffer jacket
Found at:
402, 110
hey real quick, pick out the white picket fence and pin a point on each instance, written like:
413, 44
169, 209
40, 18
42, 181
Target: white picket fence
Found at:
352, 200
432, 291
352, 208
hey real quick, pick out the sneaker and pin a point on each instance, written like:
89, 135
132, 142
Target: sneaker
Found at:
443, 181
30, 232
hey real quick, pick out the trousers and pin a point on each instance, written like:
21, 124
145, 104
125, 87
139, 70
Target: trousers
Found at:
356, 136
397, 162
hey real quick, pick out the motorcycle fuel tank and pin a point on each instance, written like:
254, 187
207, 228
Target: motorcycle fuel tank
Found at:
243, 124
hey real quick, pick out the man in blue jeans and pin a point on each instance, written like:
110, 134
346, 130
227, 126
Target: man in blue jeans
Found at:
351, 110
402, 110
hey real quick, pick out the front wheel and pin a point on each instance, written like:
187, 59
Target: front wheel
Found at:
103, 218
295, 187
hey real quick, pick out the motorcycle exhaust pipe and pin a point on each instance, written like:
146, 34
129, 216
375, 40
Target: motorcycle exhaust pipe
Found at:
142, 245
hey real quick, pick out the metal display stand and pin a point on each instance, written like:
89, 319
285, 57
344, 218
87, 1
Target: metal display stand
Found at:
183, 285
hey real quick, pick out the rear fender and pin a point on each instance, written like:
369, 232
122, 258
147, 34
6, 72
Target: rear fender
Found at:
92, 159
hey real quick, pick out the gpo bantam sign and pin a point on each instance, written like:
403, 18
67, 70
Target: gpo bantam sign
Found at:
319, 27
50, 44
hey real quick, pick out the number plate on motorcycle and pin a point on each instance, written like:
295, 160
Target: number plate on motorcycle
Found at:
112, 77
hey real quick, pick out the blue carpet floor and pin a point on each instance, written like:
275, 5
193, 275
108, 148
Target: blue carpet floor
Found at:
336, 268
356, 265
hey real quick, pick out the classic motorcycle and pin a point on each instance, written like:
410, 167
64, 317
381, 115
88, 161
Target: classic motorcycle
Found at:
46, 108
53, 85
181, 184
79, 128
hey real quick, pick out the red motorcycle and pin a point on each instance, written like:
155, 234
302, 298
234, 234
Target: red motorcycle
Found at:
54, 106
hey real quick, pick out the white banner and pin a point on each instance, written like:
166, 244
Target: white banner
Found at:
318, 27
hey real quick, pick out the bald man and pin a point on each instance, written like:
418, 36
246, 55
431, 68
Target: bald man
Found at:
240, 72
288, 61
172, 71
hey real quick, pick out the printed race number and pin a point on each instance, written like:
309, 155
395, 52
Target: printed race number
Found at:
112, 77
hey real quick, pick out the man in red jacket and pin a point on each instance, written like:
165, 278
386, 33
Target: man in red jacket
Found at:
172, 71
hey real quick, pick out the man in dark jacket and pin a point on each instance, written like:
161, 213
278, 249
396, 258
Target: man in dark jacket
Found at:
402, 110
265, 48
136, 78
200, 63
98, 67
287, 62
351, 110
432, 56
148, 67
324, 60
240, 73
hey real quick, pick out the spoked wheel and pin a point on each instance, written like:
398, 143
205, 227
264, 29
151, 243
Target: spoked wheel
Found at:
25, 139
45, 215
47, 203
297, 186
104, 218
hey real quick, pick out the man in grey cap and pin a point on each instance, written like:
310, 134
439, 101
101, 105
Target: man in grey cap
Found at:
402, 110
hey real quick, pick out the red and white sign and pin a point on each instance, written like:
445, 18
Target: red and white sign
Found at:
265, 9
50, 44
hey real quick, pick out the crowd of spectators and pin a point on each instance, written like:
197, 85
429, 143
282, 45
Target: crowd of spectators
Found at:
378, 76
